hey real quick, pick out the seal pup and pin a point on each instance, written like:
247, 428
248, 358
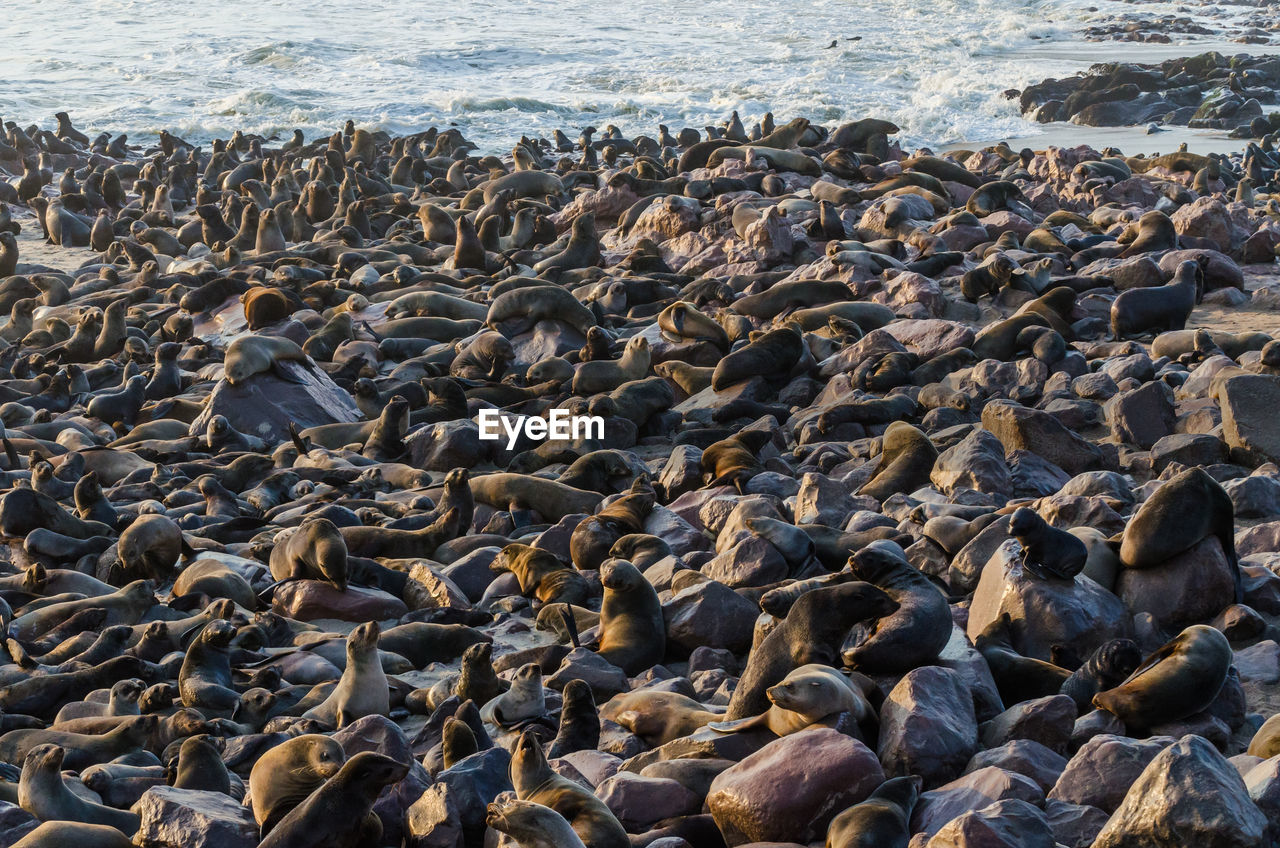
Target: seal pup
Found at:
1047, 552
883, 820
1180, 679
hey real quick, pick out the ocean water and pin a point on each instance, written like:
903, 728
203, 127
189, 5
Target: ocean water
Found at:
497, 69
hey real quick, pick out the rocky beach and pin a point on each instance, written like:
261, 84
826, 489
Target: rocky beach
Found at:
928, 494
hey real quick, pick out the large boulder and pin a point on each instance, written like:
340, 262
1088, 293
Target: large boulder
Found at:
1021, 427
193, 818
1078, 614
1249, 424
1186, 589
1104, 768
710, 614
1011, 823
971, 792
927, 726
1188, 795
792, 788
265, 404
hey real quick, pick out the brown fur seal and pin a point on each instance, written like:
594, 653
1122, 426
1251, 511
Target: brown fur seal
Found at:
1154, 309
542, 576
907, 457
681, 321
913, 634
363, 689
812, 632
1180, 679
249, 355
881, 821
315, 551
339, 812
374, 542
806, 696
657, 717
632, 633
525, 699
553, 500
42, 793
284, 776
60, 834
1177, 517
517, 310
605, 375
531, 825
534, 781
772, 356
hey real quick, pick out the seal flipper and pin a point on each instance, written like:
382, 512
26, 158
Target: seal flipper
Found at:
377, 338
571, 624
11, 454
736, 725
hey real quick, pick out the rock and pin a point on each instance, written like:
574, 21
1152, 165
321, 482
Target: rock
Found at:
1073, 825
307, 600
1104, 768
1249, 424
264, 405
427, 588
447, 445
194, 818
15, 823
474, 782
1255, 496
1263, 784
1045, 720
1259, 662
793, 787
434, 821
822, 500
1207, 218
1189, 588
928, 337
1219, 271
1188, 795
1188, 449
1081, 614
710, 614
640, 802
1020, 427
604, 678
750, 562
969, 793
1024, 757
1132, 273
927, 726
1143, 416
375, 733
976, 462
1005, 824
1260, 538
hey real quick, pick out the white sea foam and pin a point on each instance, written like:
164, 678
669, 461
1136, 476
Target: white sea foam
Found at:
501, 68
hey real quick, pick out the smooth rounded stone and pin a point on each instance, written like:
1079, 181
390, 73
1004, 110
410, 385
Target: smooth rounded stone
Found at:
375, 733
471, 573
792, 787
1133, 366
1096, 385
1024, 757
1258, 539
1021, 427
595, 766
966, 566
1074, 825
1261, 588
773, 483
1187, 449
265, 404
716, 511
1143, 416
822, 500
1080, 614
710, 614
976, 462
1009, 823
1259, 663
1104, 768
696, 775
1095, 723
1075, 413
1191, 587
960, 656
15, 822
682, 536
1255, 496
446, 445
929, 337
604, 678
639, 801
751, 562
547, 338
1047, 721
1068, 511
1188, 795
474, 782
1207, 218
1033, 476
971, 792
556, 539
1203, 725
927, 726
1132, 273
1263, 784
307, 600
433, 821
193, 818
1201, 377
1249, 424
